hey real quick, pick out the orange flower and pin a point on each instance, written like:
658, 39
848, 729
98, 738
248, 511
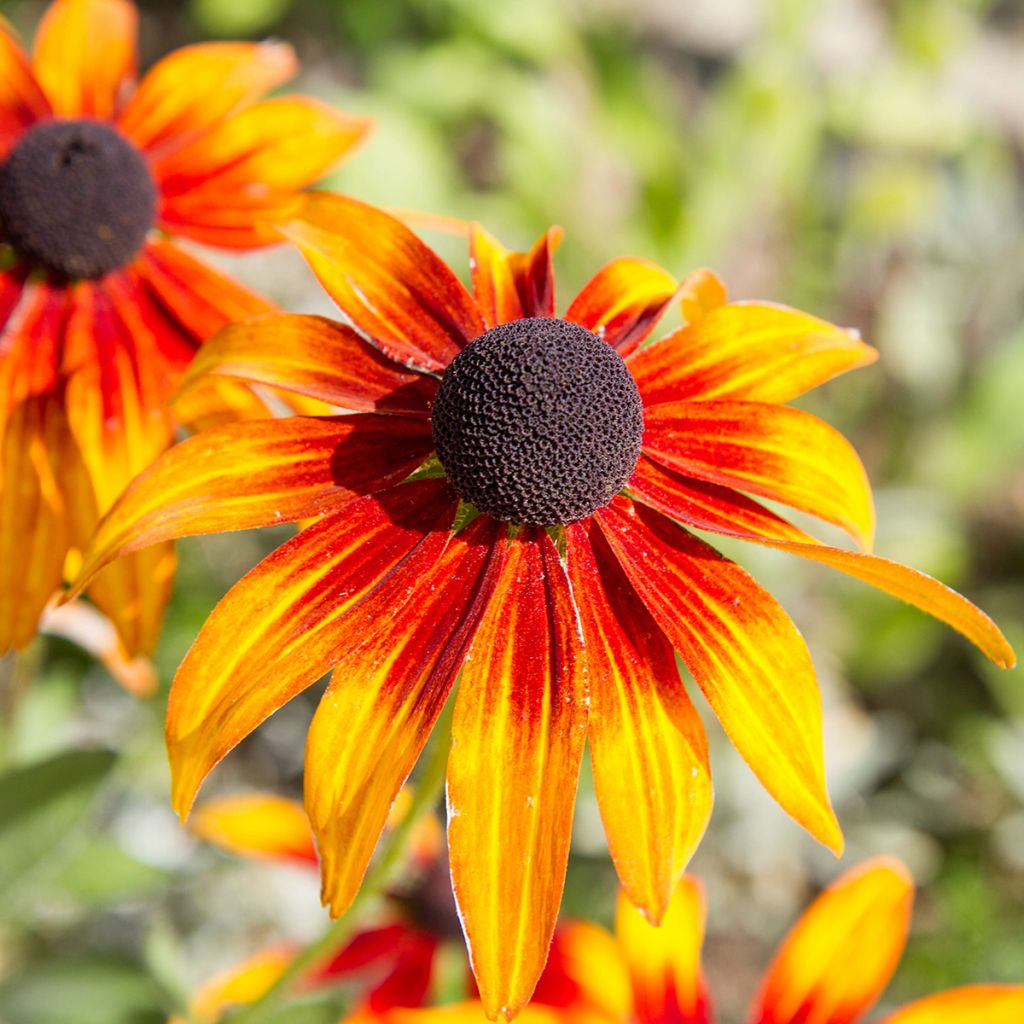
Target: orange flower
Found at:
561, 604
830, 969
100, 312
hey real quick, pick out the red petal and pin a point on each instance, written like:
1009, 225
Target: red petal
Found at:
773, 451
647, 744
623, 302
85, 55
743, 651
314, 356
521, 712
386, 695
392, 287
754, 352
22, 102
286, 622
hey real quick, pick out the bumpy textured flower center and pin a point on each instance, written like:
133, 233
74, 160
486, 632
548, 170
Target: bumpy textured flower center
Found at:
538, 422
76, 198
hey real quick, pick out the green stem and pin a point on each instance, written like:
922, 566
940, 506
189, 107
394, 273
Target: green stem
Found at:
425, 795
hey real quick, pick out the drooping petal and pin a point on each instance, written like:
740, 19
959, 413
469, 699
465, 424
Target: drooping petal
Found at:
317, 357
197, 86
229, 185
393, 288
773, 451
842, 952
22, 102
701, 292
743, 651
85, 55
258, 473
286, 623
664, 962
623, 302
753, 352
256, 825
517, 741
647, 744
385, 697
971, 1004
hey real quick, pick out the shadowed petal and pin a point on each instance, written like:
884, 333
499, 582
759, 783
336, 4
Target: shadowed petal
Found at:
507, 285
287, 622
753, 352
971, 1004
385, 697
842, 952
393, 288
664, 962
623, 302
256, 825
197, 86
534, 276
317, 357
520, 713
258, 473
22, 102
647, 744
744, 652
85, 55
773, 451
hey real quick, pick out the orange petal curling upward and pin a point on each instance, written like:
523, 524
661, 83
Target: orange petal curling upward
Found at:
521, 711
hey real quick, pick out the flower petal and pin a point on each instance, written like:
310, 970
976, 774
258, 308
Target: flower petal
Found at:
623, 302
239, 985
85, 55
286, 623
317, 357
647, 743
385, 697
394, 289
751, 351
664, 962
521, 710
773, 451
228, 186
534, 276
197, 86
258, 473
842, 952
743, 651
22, 102
701, 292
971, 1004
256, 825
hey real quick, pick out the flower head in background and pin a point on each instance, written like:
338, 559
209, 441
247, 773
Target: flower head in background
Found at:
830, 969
512, 502
100, 311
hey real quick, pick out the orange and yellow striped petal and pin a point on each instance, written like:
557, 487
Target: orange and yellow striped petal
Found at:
773, 451
287, 622
258, 473
195, 87
534, 275
256, 825
517, 741
22, 102
647, 743
385, 696
752, 352
84, 56
508, 285
840, 955
664, 962
743, 651
474, 1013
316, 357
623, 302
395, 290
971, 1004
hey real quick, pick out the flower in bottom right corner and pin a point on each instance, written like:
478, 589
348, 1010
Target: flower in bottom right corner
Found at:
830, 969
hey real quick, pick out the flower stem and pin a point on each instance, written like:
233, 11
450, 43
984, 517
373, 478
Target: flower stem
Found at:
425, 795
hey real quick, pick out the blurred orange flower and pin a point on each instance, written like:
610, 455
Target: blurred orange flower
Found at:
513, 500
830, 969
100, 312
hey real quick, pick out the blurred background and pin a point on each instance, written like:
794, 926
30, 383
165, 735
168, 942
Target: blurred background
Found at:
861, 159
